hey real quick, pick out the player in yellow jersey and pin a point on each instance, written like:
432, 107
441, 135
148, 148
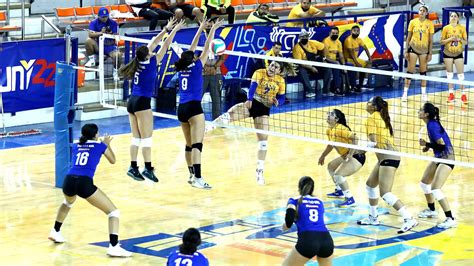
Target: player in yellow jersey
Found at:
349, 161
303, 10
267, 88
333, 54
419, 47
352, 44
454, 37
380, 135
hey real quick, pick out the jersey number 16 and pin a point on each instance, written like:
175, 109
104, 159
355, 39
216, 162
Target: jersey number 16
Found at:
82, 158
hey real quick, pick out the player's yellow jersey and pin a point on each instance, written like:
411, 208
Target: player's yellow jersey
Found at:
312, 46
334, 47
352, 46
340, 133
421, 32
454, 48
268, 87
375, 125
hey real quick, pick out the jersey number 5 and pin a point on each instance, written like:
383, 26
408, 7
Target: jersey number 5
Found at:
313, 215
180, 261
135, 78
82, 158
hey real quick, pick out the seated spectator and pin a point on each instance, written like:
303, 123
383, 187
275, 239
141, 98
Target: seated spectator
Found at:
187, 253
352, 44
303, 10
275, 51
217, 7
308, 50
262, 14
143, 8
97, 27
333, 52
182, 9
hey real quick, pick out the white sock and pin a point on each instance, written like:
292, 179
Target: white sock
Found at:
260, 164
452, 91
405, 91
373, 211
347, 193
338, 187
404, 213
423, 90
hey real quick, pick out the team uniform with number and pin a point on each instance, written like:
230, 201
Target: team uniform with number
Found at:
190, 92
313, 236
143, 86
79, 179
178, 259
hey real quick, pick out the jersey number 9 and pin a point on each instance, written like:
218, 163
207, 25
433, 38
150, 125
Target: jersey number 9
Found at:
82, 158
184, 84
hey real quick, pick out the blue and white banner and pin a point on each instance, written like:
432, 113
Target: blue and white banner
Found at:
383, 37
27, 71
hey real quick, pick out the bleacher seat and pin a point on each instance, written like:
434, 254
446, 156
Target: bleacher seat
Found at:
84, 15
3, 23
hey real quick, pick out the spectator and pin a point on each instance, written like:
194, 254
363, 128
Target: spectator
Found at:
180, 8
143, 8
303, 10
352, 44
97, 27
216, 7
333, 52
275, 51
307, 49
262, 14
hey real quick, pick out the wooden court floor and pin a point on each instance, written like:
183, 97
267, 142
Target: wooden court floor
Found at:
239, 220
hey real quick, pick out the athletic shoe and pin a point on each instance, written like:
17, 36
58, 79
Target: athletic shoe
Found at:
349, 202
150, 175
339, 92
135, 174
260, 179
118, 251
200, 183
310, 95
405, 98
408, 224
56, 237
336, 194
448, 223
370, 220
191, 179
90, 61
451, 98
427, 213
464, 99
424, 98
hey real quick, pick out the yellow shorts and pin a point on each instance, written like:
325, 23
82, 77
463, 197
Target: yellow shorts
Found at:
362, 62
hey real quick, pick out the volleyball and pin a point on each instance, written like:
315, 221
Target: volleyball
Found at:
217, 46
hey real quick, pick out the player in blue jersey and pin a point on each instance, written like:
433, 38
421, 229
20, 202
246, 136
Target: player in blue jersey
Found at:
143, 70
79, 182
187, 253
307, 212
190, 114
436, 174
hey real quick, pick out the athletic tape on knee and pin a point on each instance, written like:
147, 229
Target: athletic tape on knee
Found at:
339, 179
423, 73
461, 76
188, 149
67, 203
426, 188
115, 214
389, 198
197, 146
437, 194
372, 192
450, 75
136, 142
147, 143
262, 145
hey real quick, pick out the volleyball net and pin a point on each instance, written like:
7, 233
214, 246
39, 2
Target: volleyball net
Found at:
302, 115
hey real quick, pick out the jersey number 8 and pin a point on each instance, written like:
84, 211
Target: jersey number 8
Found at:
82, 158
313, 215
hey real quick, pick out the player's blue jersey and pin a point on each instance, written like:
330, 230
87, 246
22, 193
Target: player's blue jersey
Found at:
145, 78
178, 259
86, 157
310, 214
435, 133
190, 83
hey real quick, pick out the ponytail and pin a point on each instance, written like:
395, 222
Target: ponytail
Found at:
382, 106
191, 241
184, 61
88, 131
341, 118
306, 187
128, 70
433, 114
